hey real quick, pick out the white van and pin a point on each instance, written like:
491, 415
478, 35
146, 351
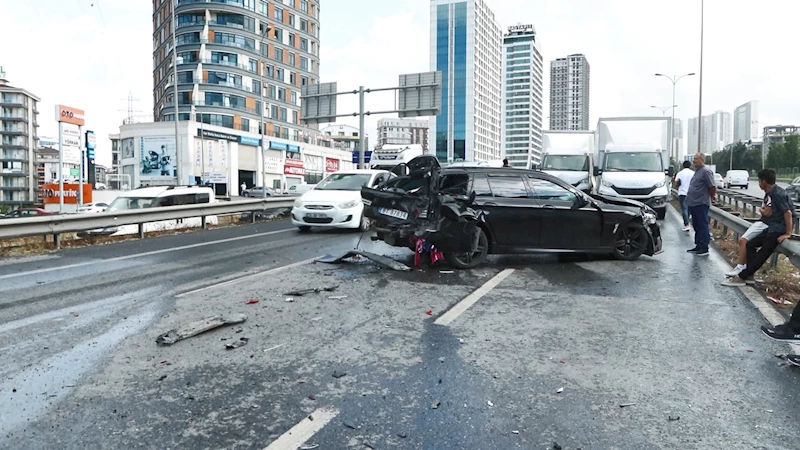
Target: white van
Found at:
154, 197
739, 178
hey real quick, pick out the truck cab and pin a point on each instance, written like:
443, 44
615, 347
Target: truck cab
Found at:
391, 155
569, 155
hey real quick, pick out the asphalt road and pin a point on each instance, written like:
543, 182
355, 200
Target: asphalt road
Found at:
80, 367
753, 188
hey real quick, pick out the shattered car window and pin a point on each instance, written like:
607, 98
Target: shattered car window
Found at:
508, 187
455, 184
481, 187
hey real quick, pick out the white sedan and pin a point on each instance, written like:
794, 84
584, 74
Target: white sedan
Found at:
92, 208
336, 201
719, 181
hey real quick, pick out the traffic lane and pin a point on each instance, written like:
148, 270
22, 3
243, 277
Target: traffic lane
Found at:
79, 255
205, 396
753, 188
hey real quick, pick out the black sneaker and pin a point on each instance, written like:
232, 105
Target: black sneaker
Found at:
701, 253
782, 333
692, 250
793, 360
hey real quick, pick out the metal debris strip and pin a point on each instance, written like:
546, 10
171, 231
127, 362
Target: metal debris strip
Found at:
198, 327
379, 259
302, 292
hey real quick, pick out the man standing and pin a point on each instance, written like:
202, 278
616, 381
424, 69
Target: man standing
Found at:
779, 228
702, 190
682, 181
505, 162
243, 188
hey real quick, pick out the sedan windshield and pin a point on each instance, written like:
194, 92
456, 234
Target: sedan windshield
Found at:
127, 203
574, 163
344, 182
633, 162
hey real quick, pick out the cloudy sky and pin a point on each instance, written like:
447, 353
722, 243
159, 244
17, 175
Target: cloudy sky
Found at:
92, 53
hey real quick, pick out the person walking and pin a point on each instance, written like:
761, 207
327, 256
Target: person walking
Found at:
243, 188
702, 190
682, 181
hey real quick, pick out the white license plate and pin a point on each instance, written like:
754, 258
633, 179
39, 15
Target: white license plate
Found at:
317, 215
393, 213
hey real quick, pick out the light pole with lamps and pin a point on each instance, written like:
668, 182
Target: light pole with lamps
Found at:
674, 79
264, 34
664, 110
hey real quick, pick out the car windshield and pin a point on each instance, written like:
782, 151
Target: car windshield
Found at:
633, 162
126, 203
575, 163
344, 182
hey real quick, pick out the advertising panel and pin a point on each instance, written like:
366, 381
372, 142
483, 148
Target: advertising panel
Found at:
223, 153
210, 151
294, 167
272, 164
255, 142
331, 165
157, 157
66, 114
198, 153
51, 193
128, 149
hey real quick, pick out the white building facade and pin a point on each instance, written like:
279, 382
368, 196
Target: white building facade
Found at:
523, 102
746, 121
466, 46
570, 93
18, 135
403, 132
717, 132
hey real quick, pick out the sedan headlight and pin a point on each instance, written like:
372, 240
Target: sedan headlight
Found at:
298, 203
350, 204
649, 218
607, 183
661, 184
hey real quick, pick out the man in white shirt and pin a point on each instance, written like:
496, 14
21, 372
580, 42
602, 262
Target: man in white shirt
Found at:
682, 181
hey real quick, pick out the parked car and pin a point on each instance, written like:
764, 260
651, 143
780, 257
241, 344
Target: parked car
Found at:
720, 182
300, 189
92, 208
794, 189
258, 192
470, 212
739, 178
336, 201
27, 212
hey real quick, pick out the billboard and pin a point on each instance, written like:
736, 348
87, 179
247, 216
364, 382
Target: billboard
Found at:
294, 167
51, 193
331, 165
65, 114
157, 158
128, 148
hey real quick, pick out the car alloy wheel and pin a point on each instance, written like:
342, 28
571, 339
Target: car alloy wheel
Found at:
630, 241
469, 260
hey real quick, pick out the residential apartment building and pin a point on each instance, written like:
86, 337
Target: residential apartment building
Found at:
18, 136
403, 132
238, 62
746, 121
346, 137
466, 47
523, 96
569, 93
717, 132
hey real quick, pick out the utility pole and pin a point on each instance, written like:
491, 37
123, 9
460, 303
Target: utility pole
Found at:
264, 34
700, 102
178, 158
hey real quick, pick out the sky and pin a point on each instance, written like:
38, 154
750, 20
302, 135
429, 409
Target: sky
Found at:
91, 54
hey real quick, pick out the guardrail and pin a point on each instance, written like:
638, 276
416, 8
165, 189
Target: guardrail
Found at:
73, 223
731, 220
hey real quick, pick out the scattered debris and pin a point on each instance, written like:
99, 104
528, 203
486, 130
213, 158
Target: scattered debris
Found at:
14, 390
368, 445
560, 390
236, 344
252, 301
674, 418
441, 360
447, 271
74, 314
490, 403
162, 378
289, 300
337, 297
302, 292
337, 374
436, 405
461, 341
350, 425
556, 446
273, 348
750, 351
402, 435
382, 260
770, 411
429, 312
316, 319
198, 327
515, 432
309, 447
311, 397
624, 405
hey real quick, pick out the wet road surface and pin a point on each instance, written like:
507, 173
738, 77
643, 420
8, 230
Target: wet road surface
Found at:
659, 334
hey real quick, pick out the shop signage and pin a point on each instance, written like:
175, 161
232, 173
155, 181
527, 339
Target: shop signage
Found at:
294, 167
65, 114
272, 165
246, 140
51, 193
331, 165
217, 135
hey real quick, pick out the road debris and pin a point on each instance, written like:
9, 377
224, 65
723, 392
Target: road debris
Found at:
490, 403
252, 301
625, 405
447, 271
74, 314
560, 390
289, 300
302, 292
236, 344
350, 425
389, 263
368, 445
316, 319
337, 297
311, 397
674, 418
556, 446
429, 312
441, 360
309, 447
515, 432
337, 374
402, 435
436, 405
162, 378
198, 327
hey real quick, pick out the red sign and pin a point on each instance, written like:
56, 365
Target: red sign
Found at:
294, 167
51, 192
331, 165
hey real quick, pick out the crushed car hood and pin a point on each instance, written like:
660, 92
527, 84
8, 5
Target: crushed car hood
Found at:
618, 203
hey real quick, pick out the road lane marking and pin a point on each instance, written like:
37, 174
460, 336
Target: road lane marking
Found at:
237, 279
453, 313
304, 430
139, 255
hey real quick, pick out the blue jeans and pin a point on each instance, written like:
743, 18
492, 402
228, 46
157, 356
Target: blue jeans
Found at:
684, 210
702, 231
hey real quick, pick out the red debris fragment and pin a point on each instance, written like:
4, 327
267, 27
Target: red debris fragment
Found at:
311, 397
301, 382
429, 312
252, 301
74, 314
563, 362
750, 351
164, 361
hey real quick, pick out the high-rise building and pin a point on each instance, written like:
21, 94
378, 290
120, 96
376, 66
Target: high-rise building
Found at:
745, 121
569, 93
18, 136
225, 49
403, 132
523, 91
717, 132
466, 47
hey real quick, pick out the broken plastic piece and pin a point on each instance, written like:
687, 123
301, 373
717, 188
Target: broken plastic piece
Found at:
623, 405
337, 374
560, 390
382, 260
429, 312
674, 418
309, 447
302, 292
198, 327
236, 344
436, 405
515, 432
252, 301
490, 403
337, 297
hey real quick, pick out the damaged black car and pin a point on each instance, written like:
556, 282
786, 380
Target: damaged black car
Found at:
463, 214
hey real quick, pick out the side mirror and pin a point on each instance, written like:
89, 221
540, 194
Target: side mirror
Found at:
597, 171
400, 170
671, 172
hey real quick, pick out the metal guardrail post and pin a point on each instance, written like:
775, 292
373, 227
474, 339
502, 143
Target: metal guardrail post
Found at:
203, 223
141, 231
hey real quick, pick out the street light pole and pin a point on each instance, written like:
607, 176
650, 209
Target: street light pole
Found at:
664, 109
700, 102
264, 35
178, 159
674, 79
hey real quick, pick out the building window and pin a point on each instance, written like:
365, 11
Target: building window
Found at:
292, 59
279, 14
291, 19
304, 63
304, 44
257, 87
274, 112
304, 6
304, 25
246, 124
279, 54
278, 34
291, 39
272, 91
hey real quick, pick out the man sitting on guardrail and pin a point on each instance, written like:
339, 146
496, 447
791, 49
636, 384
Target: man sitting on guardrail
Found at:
779, 228
754, 230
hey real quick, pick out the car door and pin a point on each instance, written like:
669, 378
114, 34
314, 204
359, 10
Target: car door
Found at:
567, 223
509, 207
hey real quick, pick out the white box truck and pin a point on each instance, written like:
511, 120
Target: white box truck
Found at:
569, 155
633, 160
